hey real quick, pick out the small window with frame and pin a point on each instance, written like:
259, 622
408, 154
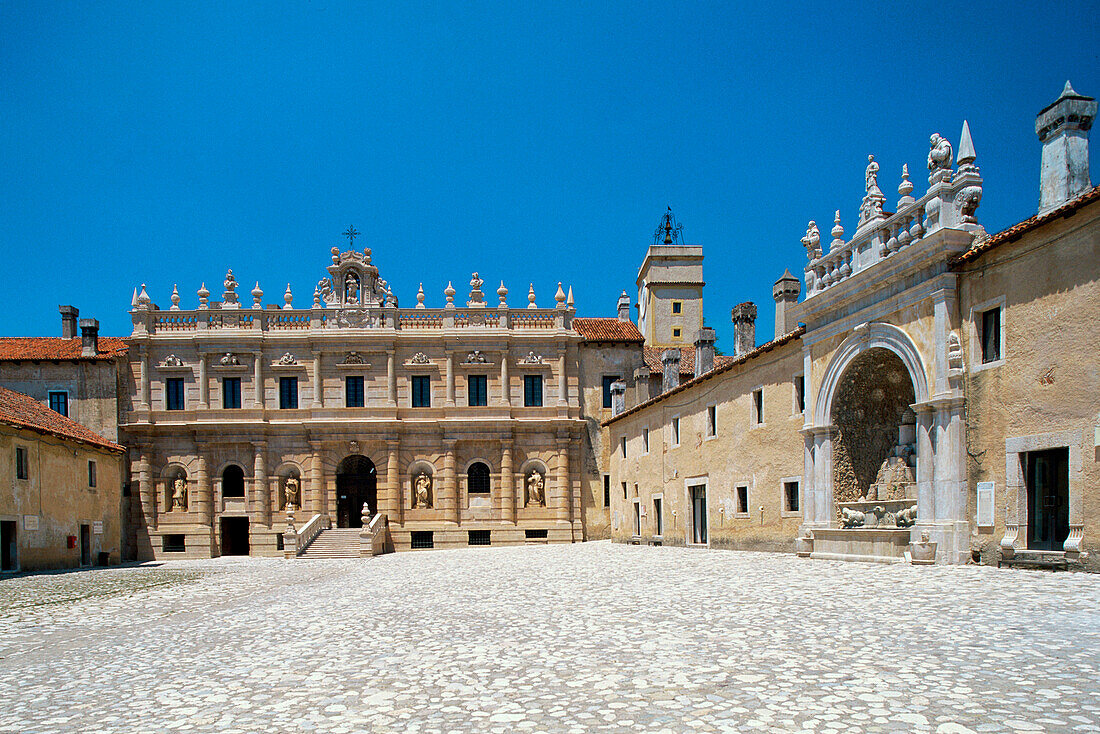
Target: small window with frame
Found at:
990, 325
758, 406
799, 394
22, 468
59, 402
790, 496
91, 474
675, 427
742, 499
712, 421
645, 440
677, 307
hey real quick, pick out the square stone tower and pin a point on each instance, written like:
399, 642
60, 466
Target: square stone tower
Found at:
670, 288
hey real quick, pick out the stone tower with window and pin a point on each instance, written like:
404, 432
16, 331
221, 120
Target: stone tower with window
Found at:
670, 288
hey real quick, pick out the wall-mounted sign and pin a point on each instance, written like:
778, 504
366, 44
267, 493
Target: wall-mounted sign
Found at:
97, 527
985, 504
30, 522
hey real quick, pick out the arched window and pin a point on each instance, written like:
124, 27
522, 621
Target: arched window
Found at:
233, 481
477, 479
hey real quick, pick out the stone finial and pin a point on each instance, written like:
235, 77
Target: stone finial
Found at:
531, 297
1063, 129
812, 241
257, 296
967, 156
316, 296
143, 300
288, 298
670, 362
502, 294
365, 515
559, 297
229, 296
905, 188
133, 301
449, 293
837, 232
939, 159
743, 316
569, 298
623, 307
477, 298
420, 297
704, 350
204, 297
175, 298
335, 255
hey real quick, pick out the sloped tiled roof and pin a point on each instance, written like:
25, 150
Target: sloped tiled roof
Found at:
23, 411
1016, 231
726, 364
14, 348
652, 357
607, 330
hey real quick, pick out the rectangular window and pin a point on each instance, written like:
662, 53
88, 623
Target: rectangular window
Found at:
991, 335
790, 496
59, 402
675, 431
624, 490
21, 468
800, 393
758, 406
607, 490
480, 537
698, 514
421, 539
421, 391
288, 393
743, 499
712, 420
173, 393
677, 306
477, 388
658, 520
645, 440
174, 543
608, 381
675, 333
532, 390
353, 391
637, 517
539, 534
91, 474
622, 445
231, 393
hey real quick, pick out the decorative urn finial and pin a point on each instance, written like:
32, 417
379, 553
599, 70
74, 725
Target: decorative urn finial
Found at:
502, 293
530, 296
175, 298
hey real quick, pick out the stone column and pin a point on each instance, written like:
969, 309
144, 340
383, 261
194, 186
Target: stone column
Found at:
260, 504
563, 494
823, 473
318, 501
391, 379
450, 487
258, 380
505, 391
148, 498
507, 496
204, 495
810, 515
926, 505
204, 382
318, 388
563, 380
144, 392
394, 507
450, 379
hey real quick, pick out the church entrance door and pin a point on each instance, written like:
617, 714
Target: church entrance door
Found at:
1047, 499
356, 483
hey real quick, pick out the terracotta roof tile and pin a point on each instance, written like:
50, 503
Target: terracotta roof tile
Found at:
14, 348
23, 411
1014, 232
652, 357
607, 330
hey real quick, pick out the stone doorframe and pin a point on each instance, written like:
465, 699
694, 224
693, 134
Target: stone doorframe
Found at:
1016, 489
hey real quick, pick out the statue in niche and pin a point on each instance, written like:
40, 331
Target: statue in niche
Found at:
179, 494
954, 352
351, 288
291, 491
812, 241
939, 159
536, 496
422, 491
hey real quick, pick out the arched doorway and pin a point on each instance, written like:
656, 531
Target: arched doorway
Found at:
874, 445
356, 483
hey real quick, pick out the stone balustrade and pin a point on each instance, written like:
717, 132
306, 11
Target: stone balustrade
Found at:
297, 540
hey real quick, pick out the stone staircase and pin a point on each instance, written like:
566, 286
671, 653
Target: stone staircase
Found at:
334, 543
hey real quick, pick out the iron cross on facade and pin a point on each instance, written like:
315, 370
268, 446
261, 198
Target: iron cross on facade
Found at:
351, 233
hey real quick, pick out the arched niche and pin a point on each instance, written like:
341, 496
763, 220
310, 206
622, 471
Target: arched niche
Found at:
176, 497
232, 480
421, 479
534, 476
288, 472
479, 484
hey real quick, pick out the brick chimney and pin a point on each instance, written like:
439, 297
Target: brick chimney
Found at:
744, 328
785, 291
624, 307
89, 338
1063, 129
670, 360
704, 350
68, 321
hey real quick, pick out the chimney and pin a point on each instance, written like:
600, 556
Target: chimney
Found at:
89, 337
744, 328
1063, 129
785, 291
670, 360
68, 321
618, 397
624, 307
704, 350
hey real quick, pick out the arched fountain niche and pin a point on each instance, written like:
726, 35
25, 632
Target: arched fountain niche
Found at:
874, 460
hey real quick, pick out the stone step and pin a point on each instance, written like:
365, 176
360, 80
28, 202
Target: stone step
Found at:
334, 543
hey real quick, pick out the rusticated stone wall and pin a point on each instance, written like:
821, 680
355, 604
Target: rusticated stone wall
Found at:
873, 395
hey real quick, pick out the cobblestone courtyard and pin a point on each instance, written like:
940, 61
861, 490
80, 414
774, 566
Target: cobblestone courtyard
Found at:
592, 637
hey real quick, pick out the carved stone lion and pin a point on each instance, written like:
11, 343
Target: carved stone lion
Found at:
907, 517
852, 518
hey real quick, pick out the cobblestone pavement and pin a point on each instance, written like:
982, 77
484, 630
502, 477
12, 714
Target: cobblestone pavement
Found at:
592, 637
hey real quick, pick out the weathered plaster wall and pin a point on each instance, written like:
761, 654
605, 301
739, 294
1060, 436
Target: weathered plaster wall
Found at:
93, 388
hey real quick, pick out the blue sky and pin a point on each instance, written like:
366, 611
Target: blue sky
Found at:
162, 143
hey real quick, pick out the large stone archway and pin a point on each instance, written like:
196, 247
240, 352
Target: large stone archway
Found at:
356, 483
